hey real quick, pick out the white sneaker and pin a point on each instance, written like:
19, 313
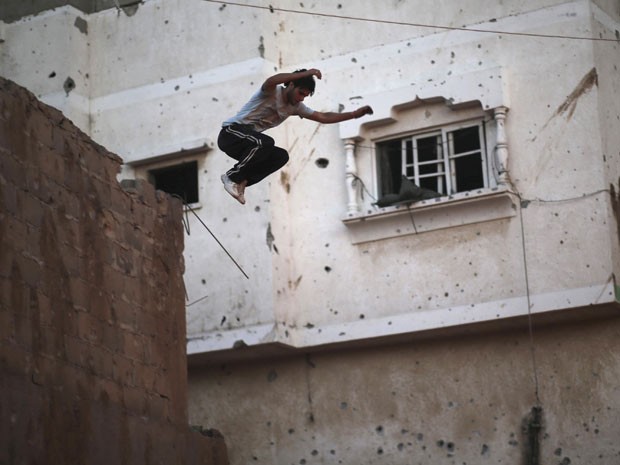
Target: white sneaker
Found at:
233, 189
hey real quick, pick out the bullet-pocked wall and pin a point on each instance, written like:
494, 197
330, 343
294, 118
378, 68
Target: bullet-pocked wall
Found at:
292, 239
441, 400
327, 267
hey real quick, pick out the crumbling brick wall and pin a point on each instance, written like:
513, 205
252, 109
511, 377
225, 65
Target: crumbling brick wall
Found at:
92, 318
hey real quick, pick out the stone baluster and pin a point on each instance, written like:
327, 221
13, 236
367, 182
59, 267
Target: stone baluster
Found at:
351, 177
501, 146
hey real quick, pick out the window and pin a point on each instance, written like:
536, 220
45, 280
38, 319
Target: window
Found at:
445, 161
181, 180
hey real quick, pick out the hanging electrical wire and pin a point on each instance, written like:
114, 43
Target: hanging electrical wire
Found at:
530, 323
186, 225
218, 241
273, 9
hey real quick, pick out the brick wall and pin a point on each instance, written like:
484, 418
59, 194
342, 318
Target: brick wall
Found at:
92, 317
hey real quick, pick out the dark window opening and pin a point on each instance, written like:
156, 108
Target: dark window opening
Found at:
180, 180
466, 140
441, 163
390, 166
469, 174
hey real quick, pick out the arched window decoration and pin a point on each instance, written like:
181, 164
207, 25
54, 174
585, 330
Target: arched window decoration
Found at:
434, 145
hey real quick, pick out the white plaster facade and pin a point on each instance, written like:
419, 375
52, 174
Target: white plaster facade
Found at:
329, 271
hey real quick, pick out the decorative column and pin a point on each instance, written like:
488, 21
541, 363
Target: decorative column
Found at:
351, 176
501, 146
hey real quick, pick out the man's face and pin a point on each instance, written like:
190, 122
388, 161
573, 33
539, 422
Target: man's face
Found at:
297, 94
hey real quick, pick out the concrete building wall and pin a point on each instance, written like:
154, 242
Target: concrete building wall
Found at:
329, 270
92, 341
444, 399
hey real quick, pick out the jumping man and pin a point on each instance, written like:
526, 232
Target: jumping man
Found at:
242, 136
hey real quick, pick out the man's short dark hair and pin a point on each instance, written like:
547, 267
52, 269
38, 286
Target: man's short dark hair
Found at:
306, 82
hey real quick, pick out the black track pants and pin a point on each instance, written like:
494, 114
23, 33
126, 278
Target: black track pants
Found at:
256, 154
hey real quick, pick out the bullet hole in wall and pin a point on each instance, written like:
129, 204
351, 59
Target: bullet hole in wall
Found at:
328, 269
261, 47
284, 180
322, 162
69, 85
52, 74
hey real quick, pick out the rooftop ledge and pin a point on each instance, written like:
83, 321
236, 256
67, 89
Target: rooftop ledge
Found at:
428, 215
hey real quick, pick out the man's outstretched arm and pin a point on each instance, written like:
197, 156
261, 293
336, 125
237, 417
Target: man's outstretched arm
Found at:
331, 117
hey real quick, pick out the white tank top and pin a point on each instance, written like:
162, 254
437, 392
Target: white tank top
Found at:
267, 109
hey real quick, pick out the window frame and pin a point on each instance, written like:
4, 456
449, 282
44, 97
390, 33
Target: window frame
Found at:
144, 168
445, 132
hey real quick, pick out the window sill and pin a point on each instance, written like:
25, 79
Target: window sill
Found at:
429, 215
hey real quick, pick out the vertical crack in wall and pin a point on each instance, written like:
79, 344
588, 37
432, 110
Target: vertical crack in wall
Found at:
309, 366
